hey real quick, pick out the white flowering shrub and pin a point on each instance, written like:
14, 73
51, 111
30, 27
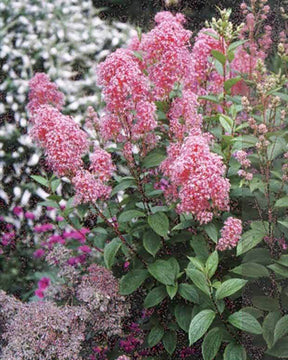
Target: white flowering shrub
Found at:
64, 38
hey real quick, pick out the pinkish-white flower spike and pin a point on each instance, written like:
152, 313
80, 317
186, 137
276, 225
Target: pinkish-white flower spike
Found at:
88, 188
62, 139
230, 234
130, 112
101, 164
43, 92
199, 175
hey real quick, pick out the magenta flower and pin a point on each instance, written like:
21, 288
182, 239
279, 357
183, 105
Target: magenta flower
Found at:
29, 215
85, 249
17, 210
39, 253
43, 228
43, 283
39, 293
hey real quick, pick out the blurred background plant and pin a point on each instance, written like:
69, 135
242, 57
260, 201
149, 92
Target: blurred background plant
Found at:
66, 39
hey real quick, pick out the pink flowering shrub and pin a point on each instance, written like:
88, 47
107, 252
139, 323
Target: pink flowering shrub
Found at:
173, 244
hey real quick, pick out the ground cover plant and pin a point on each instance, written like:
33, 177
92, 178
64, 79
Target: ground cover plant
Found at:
174, 244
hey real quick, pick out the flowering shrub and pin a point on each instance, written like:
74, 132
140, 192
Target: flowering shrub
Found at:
180, 191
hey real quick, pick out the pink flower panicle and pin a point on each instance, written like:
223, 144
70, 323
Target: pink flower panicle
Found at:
230, 234
200, 71
166, 56
183, 115
130, 113
43, 92
88, 188
101, 164
63, 140
199, 175
252, 50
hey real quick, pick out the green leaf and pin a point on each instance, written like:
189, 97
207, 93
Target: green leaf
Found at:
155, 335
280, 349
246, 322
253, 270
283, 260
151, 242
172, 290
277, 147
230, 82
281, 328
212, 232
200, 324
279, 269
183, 315
211, 98
259, 256
50, 203
188, 292
236, 44
229, 287
265, 303
154, 158
198, 279
269, 324
196, 263
211, 344
219, 56
165, 271
55, 184
253, 311
282, 202
40, 180
283, 223
124, 184
249, 240
129, 215
234, 352
110, 252
159, 223
155, 296
131, 281
212, 264
169, 341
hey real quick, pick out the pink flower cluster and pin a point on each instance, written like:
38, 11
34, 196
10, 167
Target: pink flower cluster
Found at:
65, 143
165, 53
201, 71
88, 188
130, 113
247, 55
199, 175
101, 164
230, 234
241, 156
183, 115
43, 284
44, 92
